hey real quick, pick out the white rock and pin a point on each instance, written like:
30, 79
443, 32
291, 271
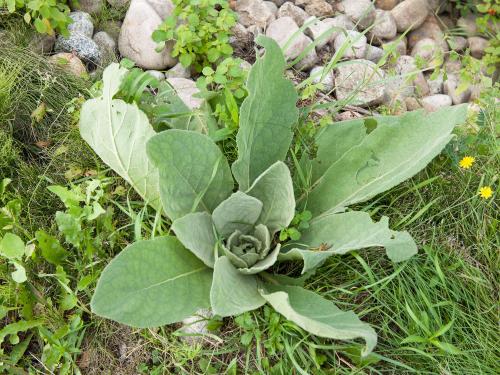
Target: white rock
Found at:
196, 326
450, 88
178, 71
288, 9
434, 102
363, 78
407, 81
272, 7
410, 14
282, 30
399, 44
436, 84
135, 40
319, 75
339, 24
384, 27
308, 61
160, 76
429, 51
82, 24
253, 12
431, 28
358, 41
186, 89
318, 30
373, 53
361, 12
386, 4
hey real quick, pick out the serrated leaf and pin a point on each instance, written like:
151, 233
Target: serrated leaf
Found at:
233, 293
344, 232
152, 283
318, 315
194, 174
238, 212
118, 132
266, 116
196, 233
392, 150
274, 188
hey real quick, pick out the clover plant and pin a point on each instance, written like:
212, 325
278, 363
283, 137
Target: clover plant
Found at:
227, 218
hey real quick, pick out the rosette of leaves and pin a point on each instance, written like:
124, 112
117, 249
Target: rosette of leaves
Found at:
226, 239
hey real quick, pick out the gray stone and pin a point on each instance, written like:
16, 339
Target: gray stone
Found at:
240, 36
253, 12
399, 43
410, 14
429, 52
373, 53
282, 30
452, 66
468, 25
81, 25
178, 71
135, 40
434, 102
319, 31
407, 79
477, 46
42, 43
308, 61
412, 104
363, 78
436, 84
160, 76
93, 7
450, 88
386, 4
339, 24
272, 6
457, 43
85, 48
431, 28
358, 47
186, 89
361, 12
384, 27
319, 8
288, 9
319, 75
196, 326
107, 46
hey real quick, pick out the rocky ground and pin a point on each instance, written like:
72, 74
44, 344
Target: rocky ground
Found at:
418, 34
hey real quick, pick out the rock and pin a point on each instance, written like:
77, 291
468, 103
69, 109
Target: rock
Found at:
196, 326
386, 4
308, 61
272, 7
384, 27
399, 45
436, 84
437, 6
361, 12
178, 71
412, 104
429, 52
288, 9
112, 28
279, 2
468, 25
253, 12
81, 25
410, 14
85, 48
107, 46
319, 30
452, 66
119, 4
240, 36
429, 29
359, 44
326, 79
255, 30
186, 89
457, 43
160, 76
339, 24
135, 40
408, 79
93, 7
281, 30
477, 46
373, 53
69, 62
361, 77
450, 88
434, 102
42, 43
319, 8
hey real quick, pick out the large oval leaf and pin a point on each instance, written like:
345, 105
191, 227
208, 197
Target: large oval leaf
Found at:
266, 116
390, 150
118, 133
318, 315
194, 174
152, 283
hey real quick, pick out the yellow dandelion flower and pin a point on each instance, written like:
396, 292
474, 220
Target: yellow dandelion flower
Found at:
485, 192
466, 162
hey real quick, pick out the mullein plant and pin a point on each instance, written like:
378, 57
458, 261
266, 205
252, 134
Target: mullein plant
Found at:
227, 218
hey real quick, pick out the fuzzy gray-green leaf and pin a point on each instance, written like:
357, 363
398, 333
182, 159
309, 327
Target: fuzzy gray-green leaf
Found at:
266, 116
318, 315
152, 283
194, 174
343, 232
238, 212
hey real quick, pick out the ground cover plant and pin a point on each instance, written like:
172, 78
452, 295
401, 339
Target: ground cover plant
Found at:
234, 233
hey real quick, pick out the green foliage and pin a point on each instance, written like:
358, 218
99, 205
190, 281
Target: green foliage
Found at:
199, 31
48, 16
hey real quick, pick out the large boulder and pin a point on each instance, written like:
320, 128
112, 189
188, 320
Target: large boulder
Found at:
135, 42
410, 14
361, 80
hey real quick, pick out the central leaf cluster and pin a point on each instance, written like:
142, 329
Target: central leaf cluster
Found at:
245, 250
